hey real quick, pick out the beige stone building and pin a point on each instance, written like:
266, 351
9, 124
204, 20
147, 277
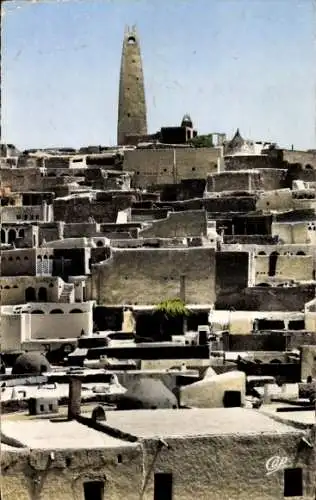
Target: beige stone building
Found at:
164, 454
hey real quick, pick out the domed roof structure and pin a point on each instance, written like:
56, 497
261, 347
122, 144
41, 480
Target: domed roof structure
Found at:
186, 121
147, 393
31, 363
236, 143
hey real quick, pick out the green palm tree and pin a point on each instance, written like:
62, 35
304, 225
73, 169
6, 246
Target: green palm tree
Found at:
173, 308
170, 309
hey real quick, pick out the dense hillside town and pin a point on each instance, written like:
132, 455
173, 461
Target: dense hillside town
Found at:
158, 314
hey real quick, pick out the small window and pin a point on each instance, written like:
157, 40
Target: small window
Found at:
293, 482
193, 169
163, 486
41, 407
93, 490
50, 406
165, 170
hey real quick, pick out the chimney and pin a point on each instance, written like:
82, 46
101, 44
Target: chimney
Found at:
74, 401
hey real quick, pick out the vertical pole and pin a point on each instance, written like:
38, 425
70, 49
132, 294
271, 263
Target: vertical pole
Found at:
183, 298
174, 166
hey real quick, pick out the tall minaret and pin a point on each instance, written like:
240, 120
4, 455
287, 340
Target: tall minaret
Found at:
132, 104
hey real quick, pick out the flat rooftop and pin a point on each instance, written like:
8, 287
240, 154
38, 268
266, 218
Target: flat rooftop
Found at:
302, 418
48, 435
195, 422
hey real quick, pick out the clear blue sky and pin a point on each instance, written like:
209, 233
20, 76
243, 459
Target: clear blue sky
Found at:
228, 63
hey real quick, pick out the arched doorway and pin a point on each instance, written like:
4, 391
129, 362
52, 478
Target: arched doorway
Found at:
30, 295
11, 236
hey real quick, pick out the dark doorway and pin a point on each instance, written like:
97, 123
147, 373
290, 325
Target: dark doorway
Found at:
93, 490
272, 263
293, 482
163, 486
42, 294
232, 399
11, 236
3, 236
30, 295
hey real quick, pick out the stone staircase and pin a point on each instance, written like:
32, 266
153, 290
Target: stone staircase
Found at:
65, 295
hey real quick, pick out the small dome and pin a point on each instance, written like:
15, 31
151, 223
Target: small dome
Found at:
186, 121
31, 362
147, 393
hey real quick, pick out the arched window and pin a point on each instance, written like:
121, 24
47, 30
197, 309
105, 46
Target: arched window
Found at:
3, 235
300, 252
7, 287
30, 294
11, 235
37, 311
56, 311
75, 311
39, 257
42, 294
261, 253
21, 233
